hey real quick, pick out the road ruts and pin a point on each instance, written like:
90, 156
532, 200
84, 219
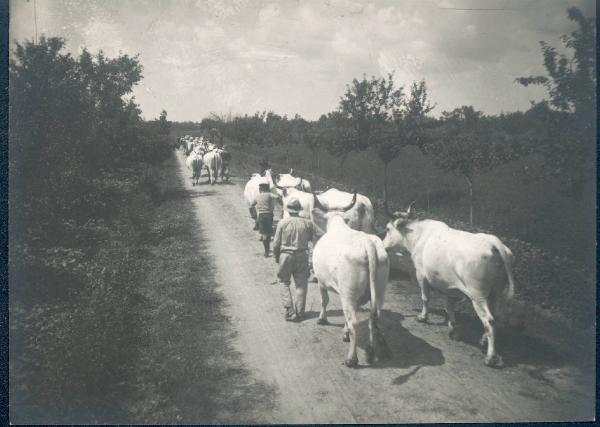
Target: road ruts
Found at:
428, 378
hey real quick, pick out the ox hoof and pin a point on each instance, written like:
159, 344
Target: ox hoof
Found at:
422, 319
370, 353
493, 361
346, 337
352, 362
454, 335
322, 321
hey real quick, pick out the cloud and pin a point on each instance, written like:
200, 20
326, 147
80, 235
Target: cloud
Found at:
297, 56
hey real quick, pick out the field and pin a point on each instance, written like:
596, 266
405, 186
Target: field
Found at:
508, 201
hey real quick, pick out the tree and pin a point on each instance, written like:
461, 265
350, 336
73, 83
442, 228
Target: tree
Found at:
371, 105
70, 118
571, 85
467, 145
339, 137
316, 139
412, 120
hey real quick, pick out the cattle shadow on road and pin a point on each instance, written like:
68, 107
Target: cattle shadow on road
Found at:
405, 349
515, 347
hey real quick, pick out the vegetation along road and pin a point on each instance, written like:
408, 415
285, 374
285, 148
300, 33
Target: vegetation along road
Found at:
427, 378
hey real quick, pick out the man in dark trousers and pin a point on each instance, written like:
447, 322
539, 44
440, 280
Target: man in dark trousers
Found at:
290, 249
264, 205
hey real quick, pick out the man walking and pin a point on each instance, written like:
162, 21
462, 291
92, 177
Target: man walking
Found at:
290, 249
265, 204
226, 158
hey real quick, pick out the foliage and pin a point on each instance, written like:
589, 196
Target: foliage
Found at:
468, 144
413, 119
571, 113
78, 148
370, 105
70, 118
384, 119
72, 299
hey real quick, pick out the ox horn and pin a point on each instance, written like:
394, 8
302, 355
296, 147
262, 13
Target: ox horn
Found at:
292, 171
275, 182
351, 205
409, 210
343, 209
318, 204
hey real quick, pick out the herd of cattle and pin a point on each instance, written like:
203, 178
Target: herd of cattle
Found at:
202, 153
352, 258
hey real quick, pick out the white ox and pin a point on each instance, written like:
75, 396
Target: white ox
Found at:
213, 163
360, 217
287, 180
251, 189
355, 265
190, 158
196, 168
449, 260
189, 146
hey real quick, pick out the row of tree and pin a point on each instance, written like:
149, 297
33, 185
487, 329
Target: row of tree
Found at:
377, 114
70, 119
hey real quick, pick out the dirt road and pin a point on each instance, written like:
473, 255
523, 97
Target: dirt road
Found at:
428, 378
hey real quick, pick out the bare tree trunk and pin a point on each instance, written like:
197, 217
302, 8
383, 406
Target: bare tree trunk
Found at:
470, 184
318, 162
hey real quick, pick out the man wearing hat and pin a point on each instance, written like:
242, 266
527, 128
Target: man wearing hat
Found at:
290, 249
264, 205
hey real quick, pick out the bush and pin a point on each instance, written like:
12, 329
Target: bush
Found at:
72, 305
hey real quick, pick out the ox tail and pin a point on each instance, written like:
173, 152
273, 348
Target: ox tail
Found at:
372, 258
507, 259
501, 299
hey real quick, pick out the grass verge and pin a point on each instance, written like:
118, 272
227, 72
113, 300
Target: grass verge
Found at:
117, 319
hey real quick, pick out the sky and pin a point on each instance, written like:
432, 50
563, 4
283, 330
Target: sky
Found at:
297, 56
